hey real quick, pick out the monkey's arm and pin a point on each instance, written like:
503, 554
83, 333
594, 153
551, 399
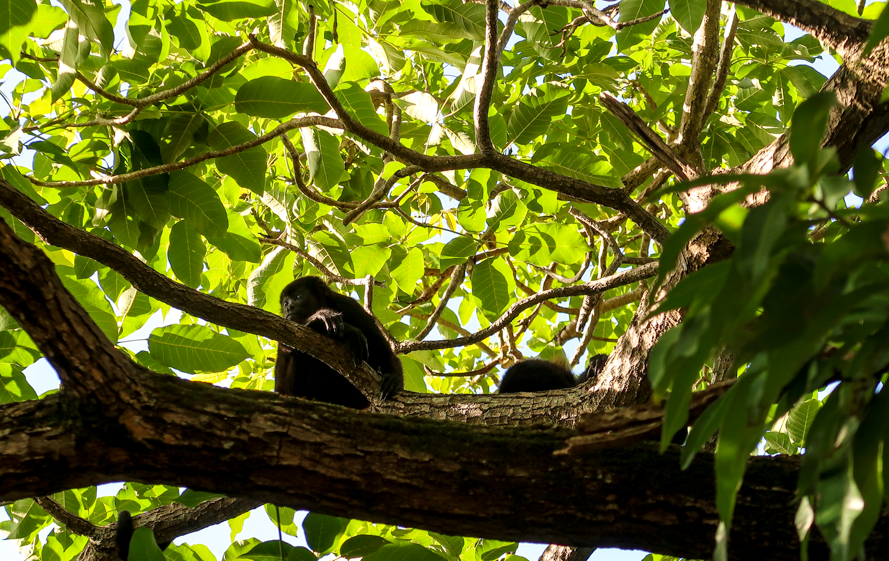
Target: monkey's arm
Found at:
331, 323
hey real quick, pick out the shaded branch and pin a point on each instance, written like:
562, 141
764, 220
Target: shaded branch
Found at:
647, 137
725, 64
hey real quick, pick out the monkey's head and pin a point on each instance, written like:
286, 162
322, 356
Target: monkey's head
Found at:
302, 298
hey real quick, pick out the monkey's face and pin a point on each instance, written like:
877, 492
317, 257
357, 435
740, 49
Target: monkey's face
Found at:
299, 301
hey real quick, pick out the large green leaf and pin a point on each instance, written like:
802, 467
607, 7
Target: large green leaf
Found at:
16, 12
195, 348
468, 19
322, 532
407, 271
273, 97
93, 301
689, 13
323, 158
230, 10
357, 102
247, 167
544, 244
492, 287
186, 253
239, 243
196, 202
534, 113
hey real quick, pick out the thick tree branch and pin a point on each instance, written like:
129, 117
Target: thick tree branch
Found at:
705, 49
836, 29
379, 468
725, 63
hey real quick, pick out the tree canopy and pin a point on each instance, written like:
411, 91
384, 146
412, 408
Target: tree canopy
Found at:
667, 185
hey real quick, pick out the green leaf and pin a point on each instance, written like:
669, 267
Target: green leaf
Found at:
779, 443
457, 251
284, 23
688, 13
195, 348
95, 304
239, 243
149, 199
89, 15
192, 498
186, 253
546, 243
357, 102
273, 98
179, 135
335, 66
532, 117
567, 160
404, 551
322, 532
800, 419
878, 32
361, 546
267, 551
369, 259
276, 261
408, 272
492, 287
67, 62
16, 13
506, 211
247, 167
323, 158
197, 203
230, 10
634, 9
143, 547
808, 124
866, 169
14, 387
468, 19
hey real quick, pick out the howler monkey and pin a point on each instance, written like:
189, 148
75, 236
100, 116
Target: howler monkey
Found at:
123, 535
310, 302
535, 375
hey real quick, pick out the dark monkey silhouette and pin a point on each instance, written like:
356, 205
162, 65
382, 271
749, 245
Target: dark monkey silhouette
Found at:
123, 535
310, 302
535, 375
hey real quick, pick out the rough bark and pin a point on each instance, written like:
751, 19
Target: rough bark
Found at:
452, 478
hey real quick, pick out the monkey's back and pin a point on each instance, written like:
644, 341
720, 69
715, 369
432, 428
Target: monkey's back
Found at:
299, 374
535, 375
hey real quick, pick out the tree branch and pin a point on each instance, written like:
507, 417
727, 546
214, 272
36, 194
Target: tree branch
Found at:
490, 63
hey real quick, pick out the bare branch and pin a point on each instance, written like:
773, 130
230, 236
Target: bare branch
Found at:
309, 44
67, 519
330, 275
647, 137
478, 372
123, 177
725, 63
455, 282
704, 48
592, 287
490, 63
380, 190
